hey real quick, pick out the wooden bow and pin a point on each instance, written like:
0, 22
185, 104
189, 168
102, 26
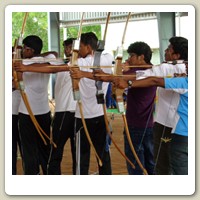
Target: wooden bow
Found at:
18, 82
119, 95
75, 86
100, 95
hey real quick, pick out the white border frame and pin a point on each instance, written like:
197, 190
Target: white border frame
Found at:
99, 185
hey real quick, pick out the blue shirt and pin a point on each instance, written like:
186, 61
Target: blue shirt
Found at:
180, 85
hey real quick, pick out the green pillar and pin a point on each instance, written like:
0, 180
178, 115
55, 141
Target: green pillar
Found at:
166, 29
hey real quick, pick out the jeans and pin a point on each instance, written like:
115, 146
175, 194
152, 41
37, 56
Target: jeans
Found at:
179, 155
143, 144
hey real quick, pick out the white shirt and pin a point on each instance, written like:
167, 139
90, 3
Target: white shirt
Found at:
88, 89
168, 100
36, 89
162, 70
64, 99
166, 107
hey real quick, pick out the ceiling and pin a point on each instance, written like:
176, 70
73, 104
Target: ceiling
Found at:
69, 19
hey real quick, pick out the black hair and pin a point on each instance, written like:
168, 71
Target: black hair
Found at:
68, 41
89, 38
34, 42
141, 48
180, 46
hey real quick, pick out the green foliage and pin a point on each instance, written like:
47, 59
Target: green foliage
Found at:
73, 31
36, 24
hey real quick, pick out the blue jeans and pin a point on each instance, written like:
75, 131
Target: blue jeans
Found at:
143, 144
179, 155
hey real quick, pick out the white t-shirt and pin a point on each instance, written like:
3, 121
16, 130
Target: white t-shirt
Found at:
166, 107
36, 89
64, 99
16, 98
167, 100
88, 89
162, 70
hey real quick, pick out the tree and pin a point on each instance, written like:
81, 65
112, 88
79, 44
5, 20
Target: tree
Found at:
73, 31
36, 24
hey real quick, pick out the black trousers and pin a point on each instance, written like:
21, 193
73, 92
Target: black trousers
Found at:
161, 149
15, 142
179, 155
35, 152
97, 131
63, 129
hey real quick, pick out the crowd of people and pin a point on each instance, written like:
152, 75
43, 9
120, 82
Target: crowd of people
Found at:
158, 129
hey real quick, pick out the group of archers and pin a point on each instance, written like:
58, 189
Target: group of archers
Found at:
158, 129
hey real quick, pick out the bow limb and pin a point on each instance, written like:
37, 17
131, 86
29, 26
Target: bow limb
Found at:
100, 95
87, 133
20, 85
75, 86
106, 28
24, 24
112, 139
132, 147
118, 70
126, 25
162, 139
74, 61
119, 96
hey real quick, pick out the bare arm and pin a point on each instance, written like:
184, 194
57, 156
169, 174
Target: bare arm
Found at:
99, 75
41, 68
147, 82
151, 81
76, 73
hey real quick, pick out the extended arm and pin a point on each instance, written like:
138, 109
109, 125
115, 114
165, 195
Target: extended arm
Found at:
41, 68
76, 73
102, 76
147, 82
